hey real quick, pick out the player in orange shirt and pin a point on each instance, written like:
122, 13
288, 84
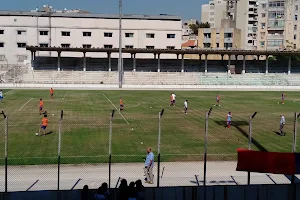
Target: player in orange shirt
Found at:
171, 100
51, 93
44, 125
41, 106
121, 104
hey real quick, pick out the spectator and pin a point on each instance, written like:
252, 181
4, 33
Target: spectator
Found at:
123, 190
106, 191
85, 193
139, 190
100, 194
131, 191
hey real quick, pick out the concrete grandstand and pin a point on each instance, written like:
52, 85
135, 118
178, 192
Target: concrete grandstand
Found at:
86, 70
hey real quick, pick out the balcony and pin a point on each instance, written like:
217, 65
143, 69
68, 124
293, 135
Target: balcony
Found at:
275, 27
206, 40
275, 36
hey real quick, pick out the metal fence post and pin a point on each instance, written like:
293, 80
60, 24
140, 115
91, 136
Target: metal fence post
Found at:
207, 114
59, 148
250, 140
160, 114
5, 147
294, 148
109, 147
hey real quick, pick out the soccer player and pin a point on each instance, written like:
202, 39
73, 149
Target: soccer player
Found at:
44, 125
217, 100
282, 97
229, 118
171, 100
51, 93
1, 96
41, 106
185, 106
282, 122
121, 104
174, 97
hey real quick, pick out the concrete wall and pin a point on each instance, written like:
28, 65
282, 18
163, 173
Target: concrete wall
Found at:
252, 192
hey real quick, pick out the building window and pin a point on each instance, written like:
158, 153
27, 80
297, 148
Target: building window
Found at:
1, 44
295, 46
65, 33
296, 17
263, 25
149, 47
227, 45
87, 46
170, 35
206, 45
44, 45
150, 35
263, 5
87, 34
263, 15
108, 46
43, 32
170, 47
129, 35
218, 45
1, 32
65, 45
108, 34
21, 32
2, 58
129, 46
262, 43
227, 35
296, 7
295, 36
295, 27
21, 45
21, 58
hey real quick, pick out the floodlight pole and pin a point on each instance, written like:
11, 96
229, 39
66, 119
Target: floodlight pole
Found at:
109, 148
5, 145
120, 68
59, 148
207, 114
250, 140
160, 114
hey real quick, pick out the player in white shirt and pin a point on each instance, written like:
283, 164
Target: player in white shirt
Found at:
185, 106
282, 123
1, 96
174, 97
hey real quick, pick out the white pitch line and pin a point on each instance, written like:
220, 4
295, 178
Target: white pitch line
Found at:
25, 104
116, 108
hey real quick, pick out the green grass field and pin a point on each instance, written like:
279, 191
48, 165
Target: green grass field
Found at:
85, 127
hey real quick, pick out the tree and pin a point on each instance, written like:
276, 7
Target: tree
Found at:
197, 25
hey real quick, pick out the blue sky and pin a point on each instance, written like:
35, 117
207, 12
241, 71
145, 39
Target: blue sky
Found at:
187, 9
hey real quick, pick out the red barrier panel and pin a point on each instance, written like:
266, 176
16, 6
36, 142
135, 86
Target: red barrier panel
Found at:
266, 162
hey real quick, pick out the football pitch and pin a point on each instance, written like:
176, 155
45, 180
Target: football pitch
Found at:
85, 126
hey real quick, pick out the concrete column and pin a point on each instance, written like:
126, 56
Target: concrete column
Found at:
109, 61
267, 64
34, 54
84, 62
200, 56
155, 56
158, 62
182, 62
290, 65
205, 64
58, 61
222, 56
134, 62
229, 63
177, 56
244, 65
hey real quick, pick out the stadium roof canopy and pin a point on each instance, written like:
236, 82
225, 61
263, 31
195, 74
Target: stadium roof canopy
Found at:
167, 51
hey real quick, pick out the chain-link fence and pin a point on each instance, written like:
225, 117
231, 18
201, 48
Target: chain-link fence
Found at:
82, 149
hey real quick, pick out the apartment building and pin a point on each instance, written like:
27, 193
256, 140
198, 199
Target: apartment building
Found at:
83, 30
278, 24
214, 12
247, 21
